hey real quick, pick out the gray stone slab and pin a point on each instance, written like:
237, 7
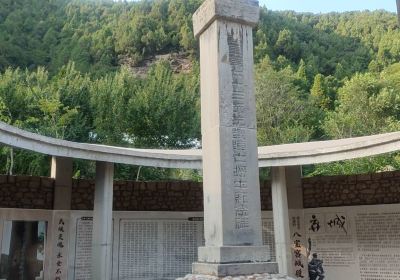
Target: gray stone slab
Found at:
233, 254
234, 269
264, 276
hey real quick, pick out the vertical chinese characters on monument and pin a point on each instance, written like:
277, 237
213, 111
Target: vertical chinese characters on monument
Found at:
298, 262
60, 251
239, 123
60, 246
299, 250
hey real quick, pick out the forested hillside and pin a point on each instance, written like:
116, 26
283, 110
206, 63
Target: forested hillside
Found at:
67, 70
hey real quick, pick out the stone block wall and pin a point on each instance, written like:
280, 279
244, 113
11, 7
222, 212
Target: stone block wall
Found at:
266, 196
143, 196
27, 192
82, 197
364, 189
38, 193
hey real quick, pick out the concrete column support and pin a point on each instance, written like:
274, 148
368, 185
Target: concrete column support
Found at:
102, 222
61, 171
294, 187
281, 219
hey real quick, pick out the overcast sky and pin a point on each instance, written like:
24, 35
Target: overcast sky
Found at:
323, 6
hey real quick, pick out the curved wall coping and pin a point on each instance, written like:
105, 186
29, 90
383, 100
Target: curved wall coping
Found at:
328, 151
277, 155
18, 138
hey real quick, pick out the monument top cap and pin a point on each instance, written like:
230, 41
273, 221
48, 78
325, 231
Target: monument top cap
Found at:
242, 11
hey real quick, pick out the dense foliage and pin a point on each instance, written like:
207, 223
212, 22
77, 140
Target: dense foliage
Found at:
66, 72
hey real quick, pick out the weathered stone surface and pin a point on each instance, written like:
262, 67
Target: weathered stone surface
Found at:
18, 138
26, 192
363, 189
264, 276
143, 196
188, 196
228, 254
234, 269
232, 210
241, 11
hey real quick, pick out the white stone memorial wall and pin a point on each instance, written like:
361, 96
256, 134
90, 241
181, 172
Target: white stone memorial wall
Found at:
138, 249
83, 248
358, 242
147, 245
268, 235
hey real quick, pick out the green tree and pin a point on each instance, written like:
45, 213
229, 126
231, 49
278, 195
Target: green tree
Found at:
319, 93
367, 105
281, 111
73, 91
168, 109
301, 76
110, 97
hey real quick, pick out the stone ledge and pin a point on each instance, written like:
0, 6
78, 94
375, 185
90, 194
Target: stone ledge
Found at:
234, 254
234, 269
264, 276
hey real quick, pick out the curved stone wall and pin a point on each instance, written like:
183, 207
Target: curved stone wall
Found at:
31, 192
364, 189
26, 192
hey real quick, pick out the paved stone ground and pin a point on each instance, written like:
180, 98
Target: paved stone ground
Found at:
265, 276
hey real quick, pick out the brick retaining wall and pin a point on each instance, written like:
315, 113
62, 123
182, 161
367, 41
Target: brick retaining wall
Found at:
38, 192
26, 192
143, 196
365, 189
153, 196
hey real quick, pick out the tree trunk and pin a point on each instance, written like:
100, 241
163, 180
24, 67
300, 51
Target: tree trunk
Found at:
10, 172
138, 173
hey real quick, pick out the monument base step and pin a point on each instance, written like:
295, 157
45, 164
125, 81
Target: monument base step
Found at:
234, 269
234, 254
263, 276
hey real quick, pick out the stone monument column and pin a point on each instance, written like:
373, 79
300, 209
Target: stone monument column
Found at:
232, 210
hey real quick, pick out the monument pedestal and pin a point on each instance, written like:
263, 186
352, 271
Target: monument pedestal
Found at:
233, 254
234, 260
256, 276
234, 269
